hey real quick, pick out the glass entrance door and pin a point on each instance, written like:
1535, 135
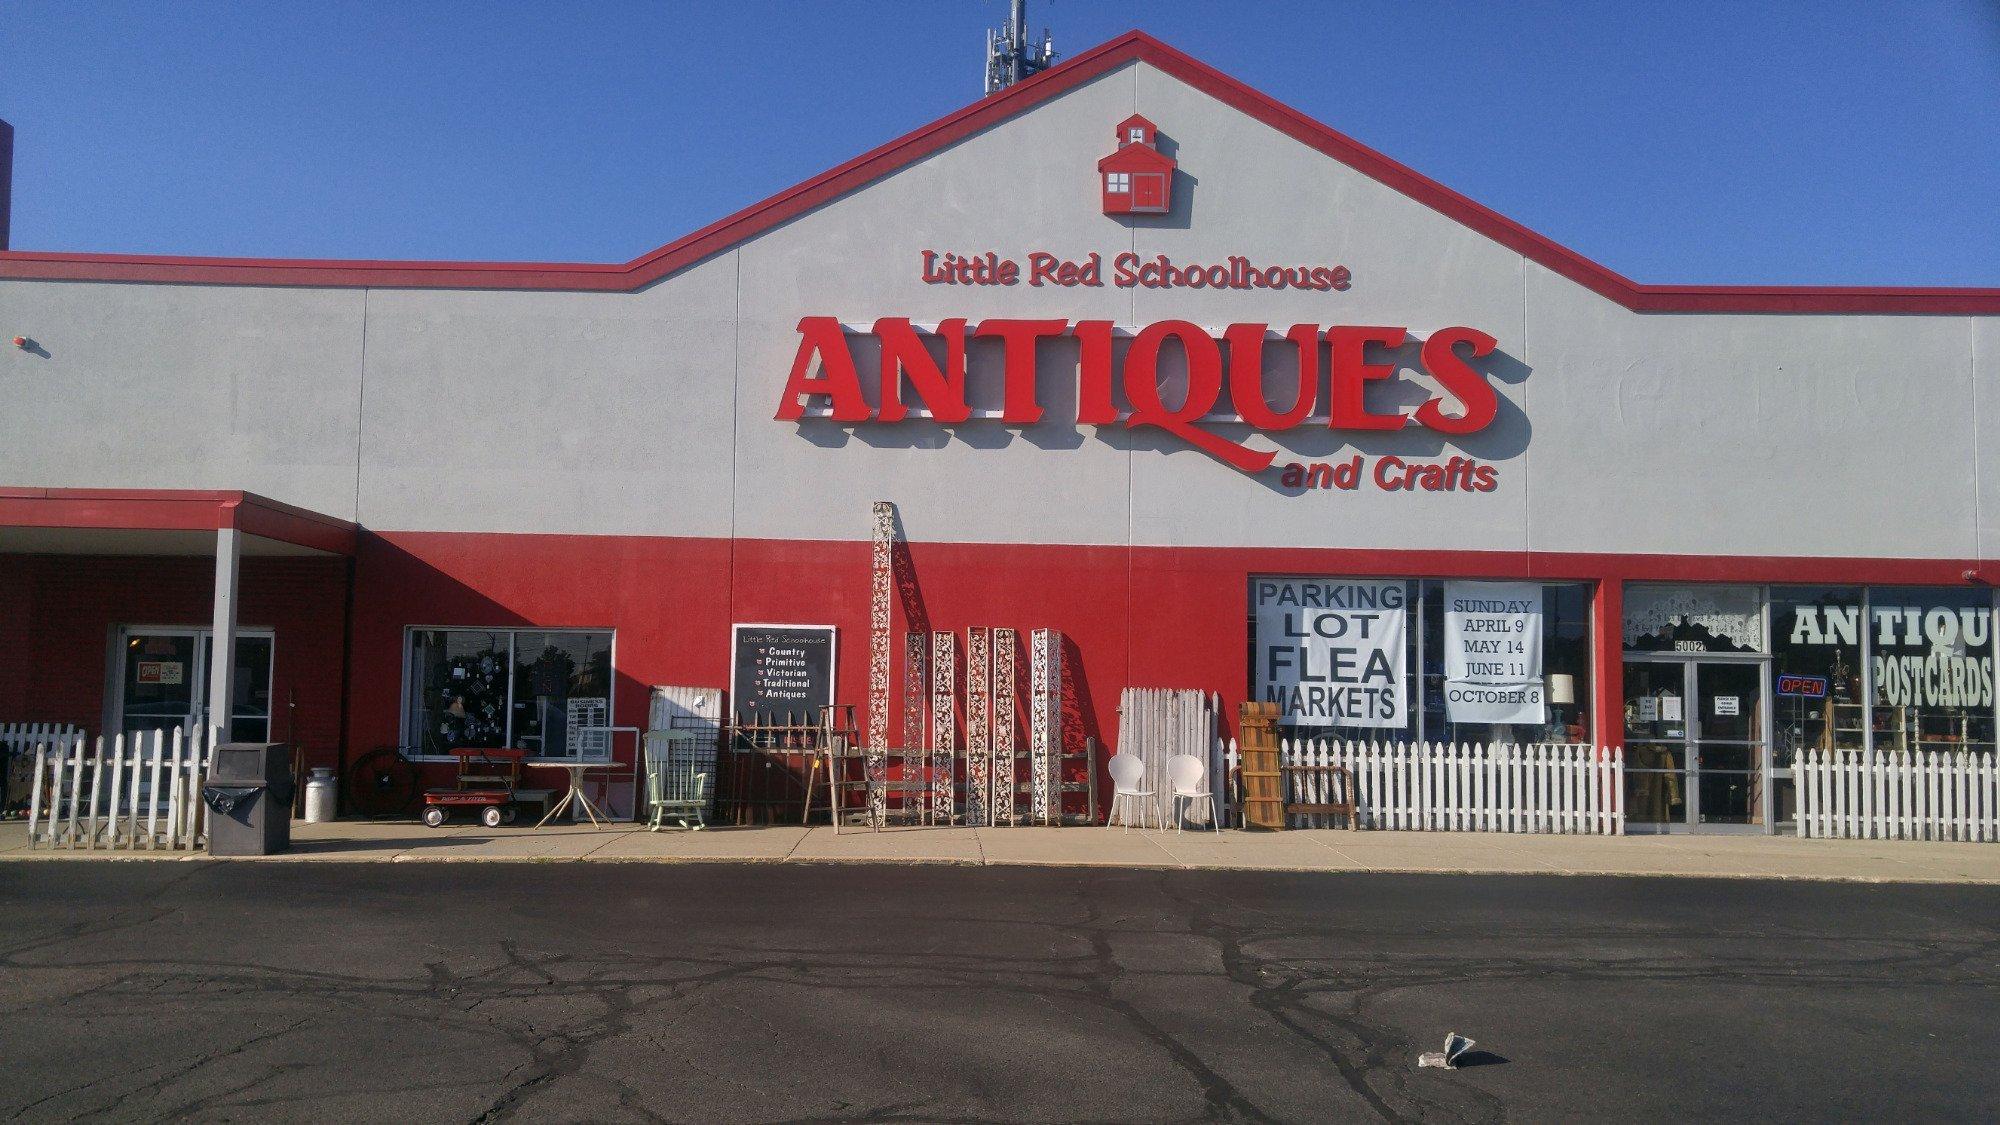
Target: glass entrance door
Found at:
163, 682
161, 670
1729, 749
1696, 752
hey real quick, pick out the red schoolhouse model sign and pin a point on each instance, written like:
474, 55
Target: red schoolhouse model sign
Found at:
1138, 179
825, 368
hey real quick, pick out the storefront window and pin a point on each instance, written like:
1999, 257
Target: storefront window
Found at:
1816, 635
1931, 664
479, 687
1491, 661
1694, 618
556, 674
1338, 655
1542, 698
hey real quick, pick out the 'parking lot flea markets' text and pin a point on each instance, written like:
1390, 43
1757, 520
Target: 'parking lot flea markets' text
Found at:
1331, 653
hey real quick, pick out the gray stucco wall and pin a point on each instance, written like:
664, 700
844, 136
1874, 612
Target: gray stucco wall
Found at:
650, 413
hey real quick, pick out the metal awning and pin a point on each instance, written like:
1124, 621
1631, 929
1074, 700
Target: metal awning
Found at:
99, 521
226, 524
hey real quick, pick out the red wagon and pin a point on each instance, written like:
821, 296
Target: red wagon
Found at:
489, 780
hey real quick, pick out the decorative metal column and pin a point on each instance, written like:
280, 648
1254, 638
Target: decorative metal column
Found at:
875, 753
1045, 725
944, 733
222, 638
978, 725
1006, 769
916, 696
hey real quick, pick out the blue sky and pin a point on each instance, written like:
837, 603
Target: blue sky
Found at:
1793, 143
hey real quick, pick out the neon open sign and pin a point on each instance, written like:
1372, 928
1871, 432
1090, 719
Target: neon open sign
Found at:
1808, 687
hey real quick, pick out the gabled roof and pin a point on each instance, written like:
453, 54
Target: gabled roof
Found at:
1133, 46
1136, 158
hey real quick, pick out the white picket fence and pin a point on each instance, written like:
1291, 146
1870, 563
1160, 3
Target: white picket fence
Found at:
17, 753
1898, 795
1438, 787
133, 791
16, 738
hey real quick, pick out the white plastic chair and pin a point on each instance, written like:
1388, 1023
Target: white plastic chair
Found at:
1127, 774
1189, 778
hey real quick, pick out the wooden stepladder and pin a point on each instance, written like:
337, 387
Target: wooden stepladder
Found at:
1262, 772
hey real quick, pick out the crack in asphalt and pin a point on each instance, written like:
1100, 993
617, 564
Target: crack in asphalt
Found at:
543, 1019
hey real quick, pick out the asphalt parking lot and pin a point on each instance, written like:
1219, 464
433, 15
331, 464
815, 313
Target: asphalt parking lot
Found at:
724, 992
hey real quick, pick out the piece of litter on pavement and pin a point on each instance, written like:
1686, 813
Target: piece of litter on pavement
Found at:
1455, 1046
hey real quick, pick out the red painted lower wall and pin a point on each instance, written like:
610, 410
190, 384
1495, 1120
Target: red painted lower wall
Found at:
1147, 616
1143, 617
58, 615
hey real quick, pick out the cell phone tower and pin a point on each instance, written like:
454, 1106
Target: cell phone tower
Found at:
1009, 55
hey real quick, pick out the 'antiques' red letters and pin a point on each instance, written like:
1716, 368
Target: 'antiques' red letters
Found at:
1229, 370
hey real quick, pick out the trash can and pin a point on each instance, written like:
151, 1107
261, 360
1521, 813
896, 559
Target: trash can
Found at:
249, 799
322, 796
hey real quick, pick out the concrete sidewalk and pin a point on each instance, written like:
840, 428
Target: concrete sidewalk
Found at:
1752, 857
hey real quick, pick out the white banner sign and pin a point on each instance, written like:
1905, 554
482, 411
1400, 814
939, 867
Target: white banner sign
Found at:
1493, 653
1331, 653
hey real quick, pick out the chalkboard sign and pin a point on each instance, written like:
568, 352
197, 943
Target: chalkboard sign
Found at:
781, 672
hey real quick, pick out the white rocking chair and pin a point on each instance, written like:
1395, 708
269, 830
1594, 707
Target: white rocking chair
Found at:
675, 789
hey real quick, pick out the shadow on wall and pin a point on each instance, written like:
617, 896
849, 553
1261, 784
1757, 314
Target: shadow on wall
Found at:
1078, 719
916, 617
1503, 439
1079, 714
60, 622
420, 595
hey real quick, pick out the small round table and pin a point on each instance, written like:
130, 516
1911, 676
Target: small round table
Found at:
576, 795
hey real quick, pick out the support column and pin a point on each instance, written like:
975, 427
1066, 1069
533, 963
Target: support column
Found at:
222, 644
1608, 650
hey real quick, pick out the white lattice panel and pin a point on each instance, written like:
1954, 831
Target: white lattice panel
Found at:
916, 696
1006, 763
978, 725
1045, 725
875, 751
944, 725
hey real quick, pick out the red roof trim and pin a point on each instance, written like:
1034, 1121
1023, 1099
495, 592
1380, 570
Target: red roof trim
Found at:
869, 166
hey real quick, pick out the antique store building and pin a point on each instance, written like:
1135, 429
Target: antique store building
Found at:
1138, 354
